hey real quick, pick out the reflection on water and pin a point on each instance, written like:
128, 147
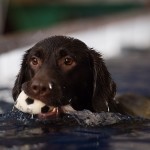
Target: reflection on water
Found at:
70, 132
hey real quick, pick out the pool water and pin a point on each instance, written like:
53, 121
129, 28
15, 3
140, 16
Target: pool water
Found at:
21, 131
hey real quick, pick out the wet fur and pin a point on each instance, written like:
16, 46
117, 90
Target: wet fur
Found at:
88, 85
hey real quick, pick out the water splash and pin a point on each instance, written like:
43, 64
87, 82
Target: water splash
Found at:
81, 118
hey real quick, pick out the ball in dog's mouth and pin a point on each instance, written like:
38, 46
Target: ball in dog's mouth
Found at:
36, 107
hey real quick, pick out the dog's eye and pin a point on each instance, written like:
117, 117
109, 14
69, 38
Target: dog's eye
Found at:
68, 60
34, 61
67, 63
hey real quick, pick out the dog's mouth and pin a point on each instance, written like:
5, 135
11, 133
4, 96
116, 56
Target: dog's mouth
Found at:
33, 106
56, 112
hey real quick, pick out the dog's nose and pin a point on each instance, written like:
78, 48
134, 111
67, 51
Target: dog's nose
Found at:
39, 87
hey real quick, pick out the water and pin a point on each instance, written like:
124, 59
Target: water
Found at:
82, 130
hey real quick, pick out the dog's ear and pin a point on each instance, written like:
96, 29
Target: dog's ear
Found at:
20, 77
104, 89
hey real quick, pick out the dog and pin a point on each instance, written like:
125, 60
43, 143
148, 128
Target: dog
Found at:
62, 71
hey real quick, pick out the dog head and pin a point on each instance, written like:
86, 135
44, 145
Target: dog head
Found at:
61, 70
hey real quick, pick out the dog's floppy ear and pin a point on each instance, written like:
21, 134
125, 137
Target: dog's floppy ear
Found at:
104, 89
20, 77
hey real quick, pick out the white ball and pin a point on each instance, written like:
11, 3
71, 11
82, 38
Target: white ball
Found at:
31, 106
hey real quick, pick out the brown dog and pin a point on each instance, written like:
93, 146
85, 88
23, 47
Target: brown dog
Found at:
62, 70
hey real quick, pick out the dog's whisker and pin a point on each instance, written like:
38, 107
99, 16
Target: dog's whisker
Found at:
32, 116
107, 106
13, 108
70, 100
50, 86
57, 111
